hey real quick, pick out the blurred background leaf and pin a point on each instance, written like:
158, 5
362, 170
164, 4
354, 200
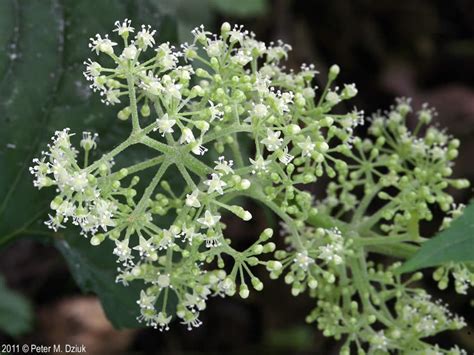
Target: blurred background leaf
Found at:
240, 8
16, 315
455, 244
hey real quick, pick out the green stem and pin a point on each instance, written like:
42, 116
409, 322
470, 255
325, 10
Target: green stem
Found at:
149, 190
133, 102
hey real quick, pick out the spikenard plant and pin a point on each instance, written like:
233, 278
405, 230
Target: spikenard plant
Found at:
241, 94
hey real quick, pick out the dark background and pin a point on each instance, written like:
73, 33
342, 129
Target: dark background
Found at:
422, 49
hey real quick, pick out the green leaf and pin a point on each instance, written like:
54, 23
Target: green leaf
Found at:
16, 316
241, 8
455, 244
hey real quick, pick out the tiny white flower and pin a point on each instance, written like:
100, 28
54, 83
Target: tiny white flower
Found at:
214, 48
163, 321
272, 140
223, 166
146, 301
237, 34
144, 247
187, 136
259, 164
192, 199
215, 184
93, 69
112, 97
122, 250
209, 220
144, 37
165, 124
332, 97
200, 34
129, 52
284, 157
260, 111
99, 44
188, 233
174, 90
307, 147
215, 111
54, 222
124, 28
241, 58
197, 148
303, 260
88, 141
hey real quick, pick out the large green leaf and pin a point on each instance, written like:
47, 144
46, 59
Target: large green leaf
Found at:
455, 244
16, 316
43, 45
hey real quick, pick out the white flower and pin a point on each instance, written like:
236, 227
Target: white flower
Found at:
223, 166
198, 149
165, 124
163, 321
332, 97
99, 44
192, 199
78, 181
214, 48
174, 90
103, 210
93, 69
129, 52
122, 250
191, 320
144, 247
200, 34
215, 111
212, 241
163, 280
144, 38
209, 220
272, 140
88, 141
215, 184
259, 164
187, 136
260, 111
303, 260
284, 157
349, 91
124, 28
54, 222
379, 341
241, 58
237, 34
146, 301
307, 147
167, 239
111, 97
188, 233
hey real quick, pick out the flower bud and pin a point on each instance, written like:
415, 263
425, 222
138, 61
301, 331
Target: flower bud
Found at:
334, 72
244, 291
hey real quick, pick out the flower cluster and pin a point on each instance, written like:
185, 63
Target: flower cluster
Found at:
201, 120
